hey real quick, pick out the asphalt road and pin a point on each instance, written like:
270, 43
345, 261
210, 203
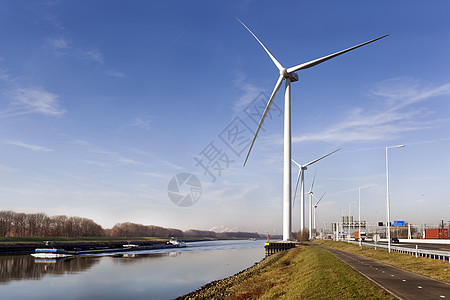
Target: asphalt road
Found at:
399, 283
441, 247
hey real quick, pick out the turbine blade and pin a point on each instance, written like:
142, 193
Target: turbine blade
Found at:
296, 185
316, 160
325, 58
275, 61
299, 165
312, 184
319, 199
266, 110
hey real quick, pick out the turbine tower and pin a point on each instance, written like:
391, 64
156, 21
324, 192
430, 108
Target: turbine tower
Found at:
301, 175
289, 75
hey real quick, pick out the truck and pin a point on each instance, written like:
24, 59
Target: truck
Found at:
437, 233
363, 236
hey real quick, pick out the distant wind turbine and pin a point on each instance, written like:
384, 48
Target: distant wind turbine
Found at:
301, 175
289, 75
315, 210
311, 194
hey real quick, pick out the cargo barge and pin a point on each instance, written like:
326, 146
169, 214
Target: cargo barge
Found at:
60, 253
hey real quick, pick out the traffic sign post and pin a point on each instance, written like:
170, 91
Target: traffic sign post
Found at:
399, 223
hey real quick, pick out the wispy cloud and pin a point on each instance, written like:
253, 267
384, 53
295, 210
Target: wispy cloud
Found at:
249, 92
53, 20
143, 122
90, 54
5, 76
28, 146
59, 43
32, 100
172, 165
397, 115
103, 157
49, 3
114, 73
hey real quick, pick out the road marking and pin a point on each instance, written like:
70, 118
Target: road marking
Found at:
419, 286
442, 296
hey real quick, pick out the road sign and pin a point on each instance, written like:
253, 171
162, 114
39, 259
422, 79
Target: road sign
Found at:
399, 223
376, 238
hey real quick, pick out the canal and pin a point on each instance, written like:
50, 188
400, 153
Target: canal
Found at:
155, 274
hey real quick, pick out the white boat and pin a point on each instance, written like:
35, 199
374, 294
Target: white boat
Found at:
176, 243
50, 255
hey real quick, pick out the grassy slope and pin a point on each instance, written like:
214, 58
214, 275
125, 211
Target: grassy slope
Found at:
425, 266
306, 272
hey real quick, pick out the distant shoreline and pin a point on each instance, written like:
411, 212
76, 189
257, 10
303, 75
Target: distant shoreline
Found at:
24, 247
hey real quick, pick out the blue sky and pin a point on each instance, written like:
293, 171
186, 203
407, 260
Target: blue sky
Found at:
102, 103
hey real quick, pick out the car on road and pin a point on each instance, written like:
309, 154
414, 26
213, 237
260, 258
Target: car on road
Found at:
395, 240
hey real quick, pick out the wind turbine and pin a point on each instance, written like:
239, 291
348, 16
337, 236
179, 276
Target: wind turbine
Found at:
315, 210
311, 194
289, 75
301, 175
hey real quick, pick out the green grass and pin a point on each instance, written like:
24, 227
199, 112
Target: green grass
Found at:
432, 268
307, 272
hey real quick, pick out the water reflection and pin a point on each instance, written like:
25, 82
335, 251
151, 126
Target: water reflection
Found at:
161, 274
130, 258
25, 267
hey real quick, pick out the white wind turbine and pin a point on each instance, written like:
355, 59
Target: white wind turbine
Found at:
289, 75
315, 210
301, 175
311, 194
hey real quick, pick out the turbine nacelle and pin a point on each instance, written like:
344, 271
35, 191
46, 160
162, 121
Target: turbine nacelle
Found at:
292, 76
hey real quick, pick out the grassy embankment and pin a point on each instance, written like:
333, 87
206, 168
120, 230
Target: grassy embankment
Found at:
432, 268
305, 272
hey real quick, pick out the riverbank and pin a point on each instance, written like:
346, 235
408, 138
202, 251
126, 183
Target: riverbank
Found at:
305, 272
28, 248
22, 246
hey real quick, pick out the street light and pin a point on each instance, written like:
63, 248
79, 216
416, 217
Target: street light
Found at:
359, 214
423, 226
348, 219
387, 198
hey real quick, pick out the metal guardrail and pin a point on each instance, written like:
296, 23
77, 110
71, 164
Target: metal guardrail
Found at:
435, 254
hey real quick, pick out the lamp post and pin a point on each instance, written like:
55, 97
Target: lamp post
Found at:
359, 214
348, 220
423, 225
388, 218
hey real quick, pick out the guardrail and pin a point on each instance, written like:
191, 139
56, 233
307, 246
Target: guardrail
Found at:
435, 254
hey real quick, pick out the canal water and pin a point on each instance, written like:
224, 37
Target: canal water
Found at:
156, 274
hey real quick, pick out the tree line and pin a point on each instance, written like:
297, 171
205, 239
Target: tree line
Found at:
14, 224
